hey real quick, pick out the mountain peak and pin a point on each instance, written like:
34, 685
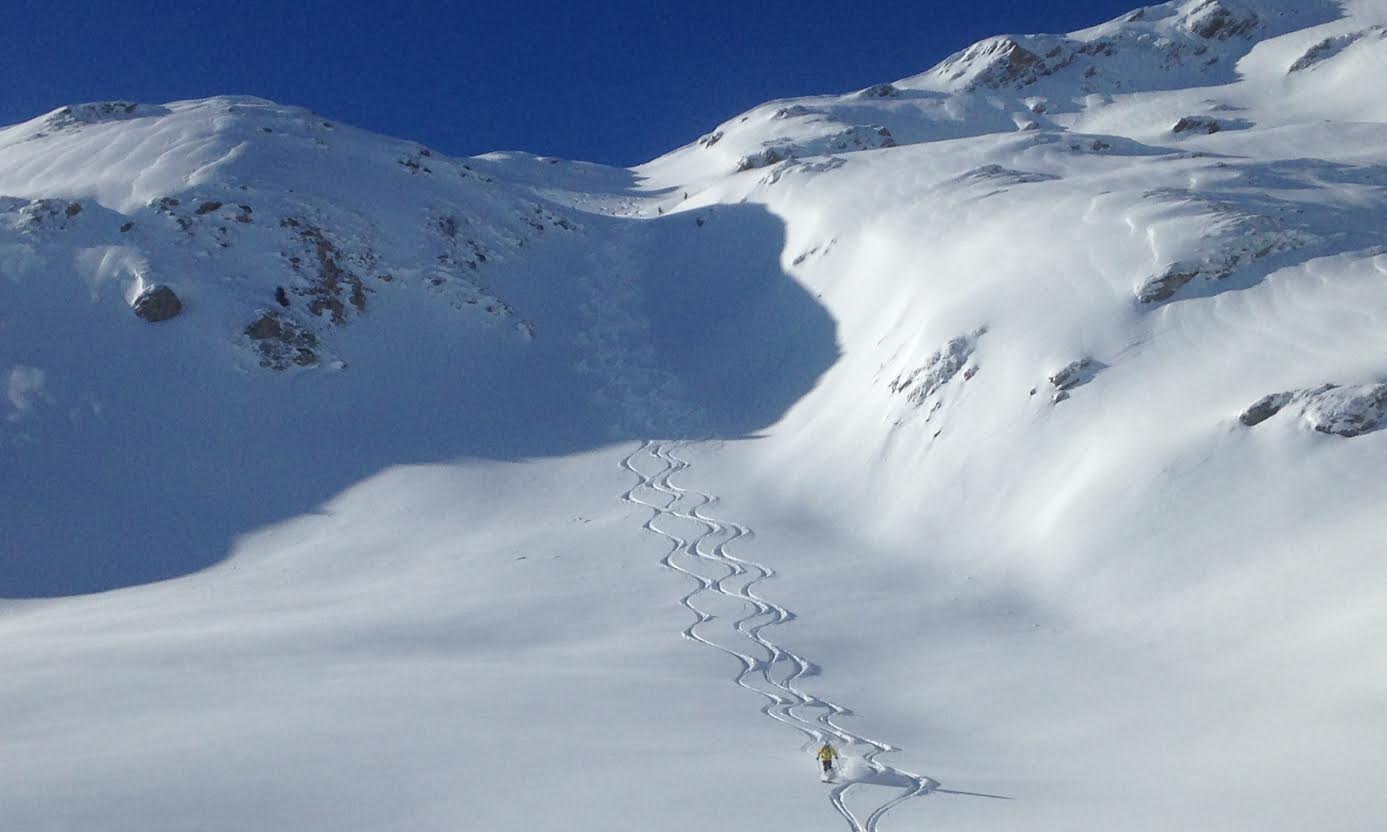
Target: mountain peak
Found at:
1174, 44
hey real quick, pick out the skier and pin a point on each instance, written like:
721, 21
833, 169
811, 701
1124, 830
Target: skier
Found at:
827, 754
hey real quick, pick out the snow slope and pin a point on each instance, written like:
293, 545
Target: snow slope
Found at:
1017, 425
414, 292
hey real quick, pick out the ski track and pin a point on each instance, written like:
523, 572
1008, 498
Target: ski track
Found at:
768, 670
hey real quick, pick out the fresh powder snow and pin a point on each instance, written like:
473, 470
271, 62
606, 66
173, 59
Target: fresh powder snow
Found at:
1016, 427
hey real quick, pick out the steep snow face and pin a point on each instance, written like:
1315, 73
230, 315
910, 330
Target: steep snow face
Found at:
1118, 344
1064, 399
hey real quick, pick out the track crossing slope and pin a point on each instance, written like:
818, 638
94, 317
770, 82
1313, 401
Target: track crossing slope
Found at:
701, 547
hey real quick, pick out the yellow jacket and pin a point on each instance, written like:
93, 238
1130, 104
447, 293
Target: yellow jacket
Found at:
828, 753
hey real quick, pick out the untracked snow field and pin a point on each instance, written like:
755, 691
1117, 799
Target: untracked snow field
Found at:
1018, 427
479, 643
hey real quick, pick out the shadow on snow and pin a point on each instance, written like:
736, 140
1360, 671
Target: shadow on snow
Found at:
680, 327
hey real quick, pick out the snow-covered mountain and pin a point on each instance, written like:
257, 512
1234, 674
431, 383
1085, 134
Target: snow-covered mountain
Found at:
1016, 425
412, 307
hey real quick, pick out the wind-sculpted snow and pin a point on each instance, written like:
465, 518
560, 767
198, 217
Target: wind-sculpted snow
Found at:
1239, 227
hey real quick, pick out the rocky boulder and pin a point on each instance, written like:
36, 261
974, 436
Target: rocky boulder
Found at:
1076, 373
1164, 286
764, 158
1264, 408
1196, 124
157, 303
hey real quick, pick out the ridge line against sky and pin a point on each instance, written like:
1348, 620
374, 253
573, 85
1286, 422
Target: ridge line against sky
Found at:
618, 83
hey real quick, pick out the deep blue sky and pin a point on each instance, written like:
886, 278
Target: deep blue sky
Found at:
617, 82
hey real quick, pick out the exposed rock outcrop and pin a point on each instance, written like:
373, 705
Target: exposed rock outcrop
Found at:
1235, 239
1329, 47
950, 361
1347, 411
999, 62
1341, 411
851, 138
1212, 20
862, 137
880, 91
764, 158
333, 286
1076, 373
48, 214
1167, 283
75, 116
1196, 124
281, 342
1264, 408
416, 161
